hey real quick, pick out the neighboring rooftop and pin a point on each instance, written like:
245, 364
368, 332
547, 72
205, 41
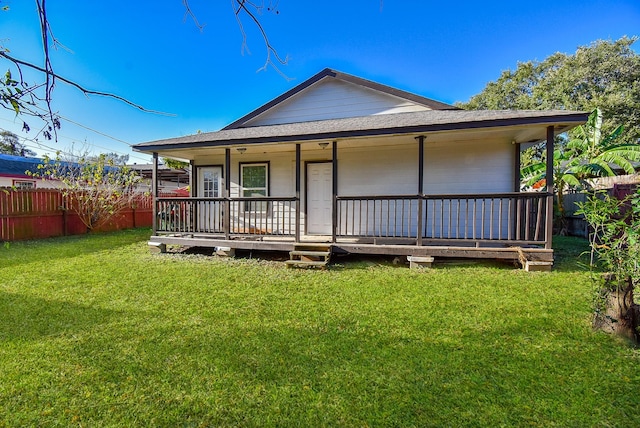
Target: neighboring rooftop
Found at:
18, 165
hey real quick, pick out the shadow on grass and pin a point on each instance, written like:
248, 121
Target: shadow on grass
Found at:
360, 261
31, 318
338, 371
46, 250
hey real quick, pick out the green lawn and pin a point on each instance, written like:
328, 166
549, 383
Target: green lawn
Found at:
96, 331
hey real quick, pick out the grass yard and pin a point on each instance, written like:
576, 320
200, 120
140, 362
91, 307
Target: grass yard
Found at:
96, 331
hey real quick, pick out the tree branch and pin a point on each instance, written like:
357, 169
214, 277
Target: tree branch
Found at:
50, 77
252, 10
242, 7
79, 87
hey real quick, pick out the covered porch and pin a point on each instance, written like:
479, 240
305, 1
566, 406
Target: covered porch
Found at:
510, 225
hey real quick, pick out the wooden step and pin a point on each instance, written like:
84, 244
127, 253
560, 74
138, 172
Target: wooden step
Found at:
304, 263
309, 253
312, 247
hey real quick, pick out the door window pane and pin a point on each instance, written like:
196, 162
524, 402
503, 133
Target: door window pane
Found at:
211, 184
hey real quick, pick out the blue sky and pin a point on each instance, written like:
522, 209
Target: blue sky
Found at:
149, 53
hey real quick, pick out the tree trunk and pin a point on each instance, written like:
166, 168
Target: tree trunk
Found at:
617, 312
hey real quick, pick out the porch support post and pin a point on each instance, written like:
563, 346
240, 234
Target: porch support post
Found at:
154, 193
227, 194
192, 170
516, 188
516, 167
420, 187
298, 192
549, 179
334, 211
193, 206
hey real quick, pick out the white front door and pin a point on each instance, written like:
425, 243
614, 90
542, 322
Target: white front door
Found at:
210, 186
319, 195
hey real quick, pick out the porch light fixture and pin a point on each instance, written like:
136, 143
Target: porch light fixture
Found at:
241, 150
323, 145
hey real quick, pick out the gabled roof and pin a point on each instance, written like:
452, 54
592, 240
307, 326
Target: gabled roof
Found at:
328, 73
366, 126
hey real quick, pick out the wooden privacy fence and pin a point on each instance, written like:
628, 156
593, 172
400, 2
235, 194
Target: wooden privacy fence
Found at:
42, 213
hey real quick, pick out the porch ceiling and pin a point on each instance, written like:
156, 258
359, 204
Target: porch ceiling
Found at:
446, 127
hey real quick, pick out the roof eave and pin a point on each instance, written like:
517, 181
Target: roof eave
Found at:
569, 121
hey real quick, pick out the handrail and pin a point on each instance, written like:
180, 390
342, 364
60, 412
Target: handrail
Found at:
231, 199
445, 196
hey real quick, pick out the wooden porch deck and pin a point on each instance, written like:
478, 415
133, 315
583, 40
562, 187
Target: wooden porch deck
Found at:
510, 226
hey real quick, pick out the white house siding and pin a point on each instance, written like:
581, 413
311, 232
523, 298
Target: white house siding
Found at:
331, 99
378, 171
279, 217
472, 168
451, 168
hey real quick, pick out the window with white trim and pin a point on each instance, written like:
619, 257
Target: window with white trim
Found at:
254, 179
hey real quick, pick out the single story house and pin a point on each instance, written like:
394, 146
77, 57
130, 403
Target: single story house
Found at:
360, 167
13, 173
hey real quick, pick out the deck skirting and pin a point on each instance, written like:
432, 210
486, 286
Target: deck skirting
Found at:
493, 251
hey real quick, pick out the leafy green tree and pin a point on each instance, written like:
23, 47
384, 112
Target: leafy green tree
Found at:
605, 75
175, 164
96, 188
587, 155
113, 158
11, 145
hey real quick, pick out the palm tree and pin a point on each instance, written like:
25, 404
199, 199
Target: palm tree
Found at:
585, 156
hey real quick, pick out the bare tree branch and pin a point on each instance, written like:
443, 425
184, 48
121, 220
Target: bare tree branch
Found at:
252, 10
79, 87
26, 98
271, 51
189, 12
50, 77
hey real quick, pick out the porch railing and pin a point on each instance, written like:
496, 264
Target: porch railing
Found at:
247, 216
507, 217
517, 217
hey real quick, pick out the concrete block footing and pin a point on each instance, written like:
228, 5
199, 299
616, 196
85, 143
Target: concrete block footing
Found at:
418, 262
225, 251
157, 247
